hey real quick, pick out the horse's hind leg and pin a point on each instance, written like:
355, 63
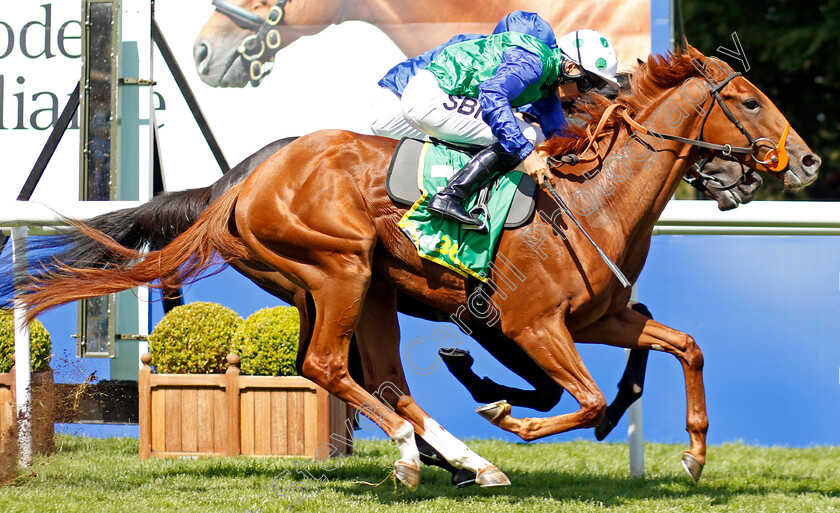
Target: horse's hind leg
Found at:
428, 455
378, 335
326, 363
336, 275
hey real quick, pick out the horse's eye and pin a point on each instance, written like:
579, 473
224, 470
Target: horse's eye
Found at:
751, 104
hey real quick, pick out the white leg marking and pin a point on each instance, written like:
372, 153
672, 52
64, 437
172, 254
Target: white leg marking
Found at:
454, 450
404, 439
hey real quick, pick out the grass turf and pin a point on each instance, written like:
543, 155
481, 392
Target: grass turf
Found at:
94, 475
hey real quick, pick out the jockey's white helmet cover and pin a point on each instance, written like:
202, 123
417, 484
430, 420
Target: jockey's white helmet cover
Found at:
592, 51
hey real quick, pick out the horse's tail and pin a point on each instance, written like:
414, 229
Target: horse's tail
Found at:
122, 267
154, 223
151, 225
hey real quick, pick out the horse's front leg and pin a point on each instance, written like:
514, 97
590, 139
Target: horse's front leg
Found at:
546, 393
628, 328
549, 344
631, 385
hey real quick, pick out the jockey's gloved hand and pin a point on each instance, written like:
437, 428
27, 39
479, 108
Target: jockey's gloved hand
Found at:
537, 168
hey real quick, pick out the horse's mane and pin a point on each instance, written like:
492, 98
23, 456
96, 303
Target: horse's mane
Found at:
647, 82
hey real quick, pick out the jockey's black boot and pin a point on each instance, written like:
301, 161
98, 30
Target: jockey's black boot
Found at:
484, 166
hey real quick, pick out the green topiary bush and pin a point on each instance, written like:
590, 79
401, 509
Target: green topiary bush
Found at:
267, 342
193, 339
40, 346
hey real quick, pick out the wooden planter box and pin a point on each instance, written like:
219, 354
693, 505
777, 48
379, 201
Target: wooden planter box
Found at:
227, 414
43, 405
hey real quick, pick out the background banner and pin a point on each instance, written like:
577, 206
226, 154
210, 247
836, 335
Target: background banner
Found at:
332, 54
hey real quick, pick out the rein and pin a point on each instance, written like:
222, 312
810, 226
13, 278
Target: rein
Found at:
776, 159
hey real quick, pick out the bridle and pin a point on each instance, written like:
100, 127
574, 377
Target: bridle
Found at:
704, 182
775, 162
776, 159
259, 48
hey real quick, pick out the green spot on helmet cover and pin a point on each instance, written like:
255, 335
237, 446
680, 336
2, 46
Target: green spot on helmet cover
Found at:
578, 42
601, 63
605, 42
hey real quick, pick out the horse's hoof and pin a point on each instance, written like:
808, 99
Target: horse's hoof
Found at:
408, 473
456, 360
604, 428
463, 478
692, 466
494, 411
491, 477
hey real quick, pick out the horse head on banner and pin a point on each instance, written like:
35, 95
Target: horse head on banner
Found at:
238, 43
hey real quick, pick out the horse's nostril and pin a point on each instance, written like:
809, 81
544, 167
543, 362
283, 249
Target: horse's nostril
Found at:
202, 57
810, 163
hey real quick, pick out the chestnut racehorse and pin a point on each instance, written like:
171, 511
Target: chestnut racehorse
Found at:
415, 26
316, 215
158, 222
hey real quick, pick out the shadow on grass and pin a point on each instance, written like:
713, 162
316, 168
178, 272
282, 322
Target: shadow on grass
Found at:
609, 490
347, 482
360, 477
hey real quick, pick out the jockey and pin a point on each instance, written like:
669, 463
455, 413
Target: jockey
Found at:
388, 120
466, 95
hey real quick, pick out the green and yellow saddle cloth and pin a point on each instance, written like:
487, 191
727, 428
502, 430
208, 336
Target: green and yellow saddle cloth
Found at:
467, 252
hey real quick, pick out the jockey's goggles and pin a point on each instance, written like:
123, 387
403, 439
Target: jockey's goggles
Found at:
590, 82
585, 81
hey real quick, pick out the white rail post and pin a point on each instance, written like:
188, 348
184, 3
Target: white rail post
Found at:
637, 440
23, 391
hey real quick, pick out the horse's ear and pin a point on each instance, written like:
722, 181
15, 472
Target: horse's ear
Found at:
694, 52
682, 46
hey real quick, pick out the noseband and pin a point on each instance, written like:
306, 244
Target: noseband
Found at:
259, 48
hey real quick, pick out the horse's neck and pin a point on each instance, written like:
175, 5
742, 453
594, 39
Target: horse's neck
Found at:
636, 201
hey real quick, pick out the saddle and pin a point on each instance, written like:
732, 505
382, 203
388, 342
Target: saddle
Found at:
402, 188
